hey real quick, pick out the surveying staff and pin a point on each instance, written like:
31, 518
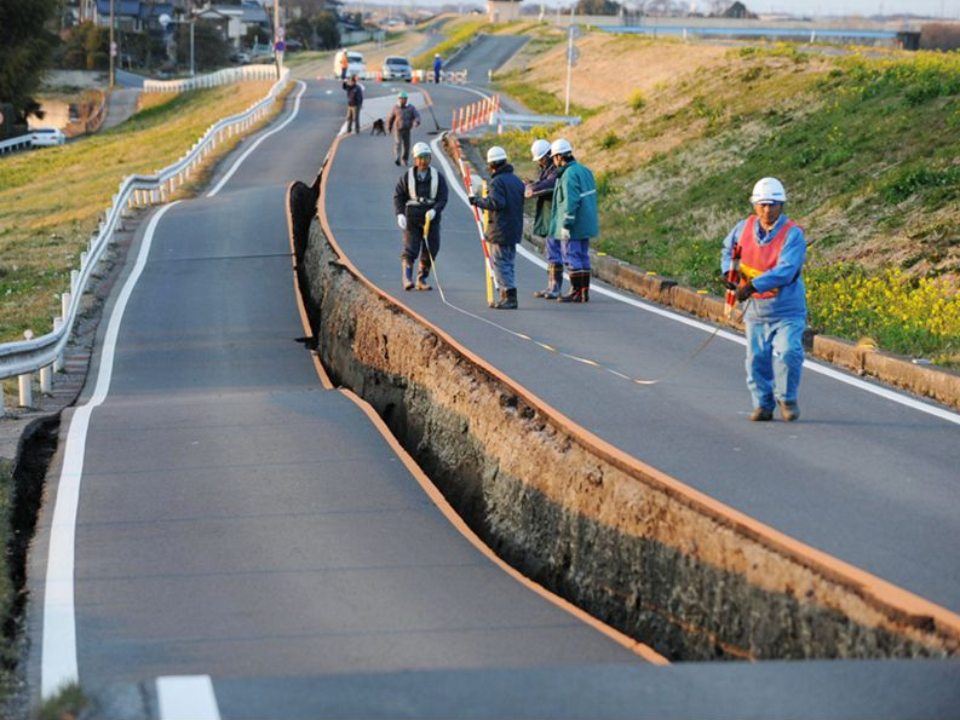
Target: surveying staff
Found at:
421, 195
573, 218
542, 190
504, 203
402, 119
771, 250
354, 102
437, 67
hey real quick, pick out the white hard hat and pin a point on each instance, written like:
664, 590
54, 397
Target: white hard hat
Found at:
768, 191
540, 149
496, 154
421, 149
560, 147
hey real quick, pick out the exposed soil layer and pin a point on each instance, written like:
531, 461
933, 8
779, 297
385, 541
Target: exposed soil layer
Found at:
641, 551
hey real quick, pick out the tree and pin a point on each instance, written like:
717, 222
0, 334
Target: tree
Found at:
26, 51
301, 29
210, 50
328, 34
597, 7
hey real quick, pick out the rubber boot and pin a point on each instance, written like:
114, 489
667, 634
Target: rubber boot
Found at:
422, 276
407, 274
554, 283
585, 287
508, 299
576, 289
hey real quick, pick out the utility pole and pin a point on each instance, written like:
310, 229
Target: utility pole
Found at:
113, 48
276, 36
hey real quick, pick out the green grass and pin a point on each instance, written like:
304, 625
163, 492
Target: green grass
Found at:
867, 148
67, 704
51, 199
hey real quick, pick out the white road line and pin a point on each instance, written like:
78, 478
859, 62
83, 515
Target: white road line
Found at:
886, 393
59, 645
281, 126
187, 697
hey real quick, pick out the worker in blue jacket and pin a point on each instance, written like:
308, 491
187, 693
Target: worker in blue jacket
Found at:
770, 249
574, 219
542, 190
437, 68
504, 203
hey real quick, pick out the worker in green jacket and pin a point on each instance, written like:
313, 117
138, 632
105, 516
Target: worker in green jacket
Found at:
574, 219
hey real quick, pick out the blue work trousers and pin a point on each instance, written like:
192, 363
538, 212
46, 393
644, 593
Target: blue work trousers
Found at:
576, 254
554, 251
503, 258
774, 360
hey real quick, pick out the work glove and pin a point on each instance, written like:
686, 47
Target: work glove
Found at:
745, 291
527, 192
727, 282
564, 234
472, 199
402, 221
431, 214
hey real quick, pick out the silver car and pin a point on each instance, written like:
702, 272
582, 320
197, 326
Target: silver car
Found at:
397, 68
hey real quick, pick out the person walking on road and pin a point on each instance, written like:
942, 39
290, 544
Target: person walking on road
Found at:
542, 190
354, 103
344, 64
771, 250
504, 203
437, 68
420, 197
573, 218
402, 119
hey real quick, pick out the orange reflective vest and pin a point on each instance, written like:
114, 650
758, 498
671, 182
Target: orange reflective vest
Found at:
756, 259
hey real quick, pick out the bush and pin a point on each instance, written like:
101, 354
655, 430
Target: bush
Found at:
636, 100
610, 141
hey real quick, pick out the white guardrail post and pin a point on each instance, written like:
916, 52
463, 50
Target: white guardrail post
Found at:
46, 354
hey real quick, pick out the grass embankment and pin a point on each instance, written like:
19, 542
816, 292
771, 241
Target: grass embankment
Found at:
867, 149
458, 32
51, 199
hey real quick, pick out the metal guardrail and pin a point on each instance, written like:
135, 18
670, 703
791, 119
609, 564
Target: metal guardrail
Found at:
20, 142
215, 79
21, 358
525, 122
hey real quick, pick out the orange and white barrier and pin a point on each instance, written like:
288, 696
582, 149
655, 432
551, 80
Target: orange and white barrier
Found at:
476, 114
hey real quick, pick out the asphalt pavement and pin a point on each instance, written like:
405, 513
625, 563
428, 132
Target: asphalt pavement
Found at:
239, 522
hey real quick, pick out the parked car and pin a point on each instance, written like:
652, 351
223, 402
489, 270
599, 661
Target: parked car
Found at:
42, 137
355, 64
397, 68
241, 57
294, 46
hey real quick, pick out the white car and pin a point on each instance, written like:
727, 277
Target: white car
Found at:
42, 137
355, 64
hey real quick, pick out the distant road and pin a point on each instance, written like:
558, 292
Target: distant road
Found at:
487, 53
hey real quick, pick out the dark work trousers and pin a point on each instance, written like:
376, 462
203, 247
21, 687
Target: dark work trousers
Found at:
401, 142
413, 245
353, 118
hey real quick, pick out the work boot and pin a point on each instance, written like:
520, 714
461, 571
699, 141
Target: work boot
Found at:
576, 289
422, 283
761, 414
407, 274
554, 283
397, 162
508, 299
585, 287
789, 411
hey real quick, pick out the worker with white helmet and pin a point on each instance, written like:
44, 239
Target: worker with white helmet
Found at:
770, 249
542, 190
421, 195
574, 218
504, 203
437, 67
